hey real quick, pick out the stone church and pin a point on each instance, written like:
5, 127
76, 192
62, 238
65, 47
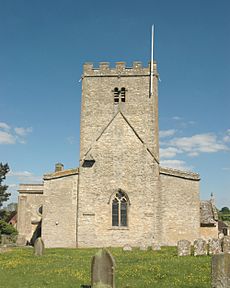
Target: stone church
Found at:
119, 194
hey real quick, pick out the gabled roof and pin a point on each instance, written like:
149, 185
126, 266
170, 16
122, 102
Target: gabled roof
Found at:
134, 131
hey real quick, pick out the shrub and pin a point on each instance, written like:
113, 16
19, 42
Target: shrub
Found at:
7, 229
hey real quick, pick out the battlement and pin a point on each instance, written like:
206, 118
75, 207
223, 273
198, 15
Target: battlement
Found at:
120, 69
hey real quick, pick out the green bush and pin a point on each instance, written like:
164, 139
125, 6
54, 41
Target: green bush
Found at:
7, 229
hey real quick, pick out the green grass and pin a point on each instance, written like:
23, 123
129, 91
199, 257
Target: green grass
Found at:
71, 268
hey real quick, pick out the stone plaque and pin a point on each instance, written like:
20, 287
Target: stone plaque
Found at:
200, 247
226, 244
183, 248
215, 246
221, 271
39, 247
103, 270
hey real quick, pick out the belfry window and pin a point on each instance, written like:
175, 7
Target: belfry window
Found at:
122, 94
119, 209
119, 95
116, 95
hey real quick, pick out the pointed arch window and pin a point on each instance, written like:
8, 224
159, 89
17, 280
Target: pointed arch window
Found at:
120, 210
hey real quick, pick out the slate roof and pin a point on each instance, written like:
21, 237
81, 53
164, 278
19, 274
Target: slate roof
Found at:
208, 213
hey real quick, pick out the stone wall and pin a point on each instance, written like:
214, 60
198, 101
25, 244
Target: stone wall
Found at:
180, 206
207, 233
29, 201
59, 209
121, 162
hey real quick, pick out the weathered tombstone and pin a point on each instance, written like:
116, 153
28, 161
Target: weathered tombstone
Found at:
127, 247
39, 247
143, 247
4, 249
5, 239
156, 246
221, 235
226, 244
221, 271
183, 248
200, 247
103, 270
214, 246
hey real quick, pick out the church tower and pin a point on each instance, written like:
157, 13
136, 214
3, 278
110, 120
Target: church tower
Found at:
118, 187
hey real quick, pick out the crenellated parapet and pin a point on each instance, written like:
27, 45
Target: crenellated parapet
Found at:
120, 69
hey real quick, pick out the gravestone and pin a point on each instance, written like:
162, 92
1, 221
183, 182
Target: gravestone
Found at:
4, 249
156, 246
143, 247
39, 247
221, 271
221, 236
103, 270
183, 248
5, 239
226, 244
127, 247
215, 246
200, 247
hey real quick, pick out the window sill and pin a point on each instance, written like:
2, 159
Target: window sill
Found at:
118, 228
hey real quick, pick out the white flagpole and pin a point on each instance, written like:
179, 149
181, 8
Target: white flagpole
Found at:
151, 63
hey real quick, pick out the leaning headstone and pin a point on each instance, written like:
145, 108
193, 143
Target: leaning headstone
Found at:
221, 271
200, 247
127, 247
226, 244
183, 248
39, 247
103, 270
214, 246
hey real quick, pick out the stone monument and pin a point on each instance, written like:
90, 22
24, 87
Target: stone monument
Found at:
103, 270
221, 271
200, 247
39, 247
183, 248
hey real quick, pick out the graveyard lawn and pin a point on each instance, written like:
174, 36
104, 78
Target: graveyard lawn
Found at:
134, 269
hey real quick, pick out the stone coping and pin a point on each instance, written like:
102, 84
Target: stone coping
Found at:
60, 174
31, 188
180, 174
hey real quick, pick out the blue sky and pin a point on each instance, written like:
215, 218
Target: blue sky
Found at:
44, 45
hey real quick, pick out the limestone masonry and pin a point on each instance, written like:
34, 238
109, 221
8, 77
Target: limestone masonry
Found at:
119, 195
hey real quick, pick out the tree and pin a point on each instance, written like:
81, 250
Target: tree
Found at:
4, 196
225, 210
